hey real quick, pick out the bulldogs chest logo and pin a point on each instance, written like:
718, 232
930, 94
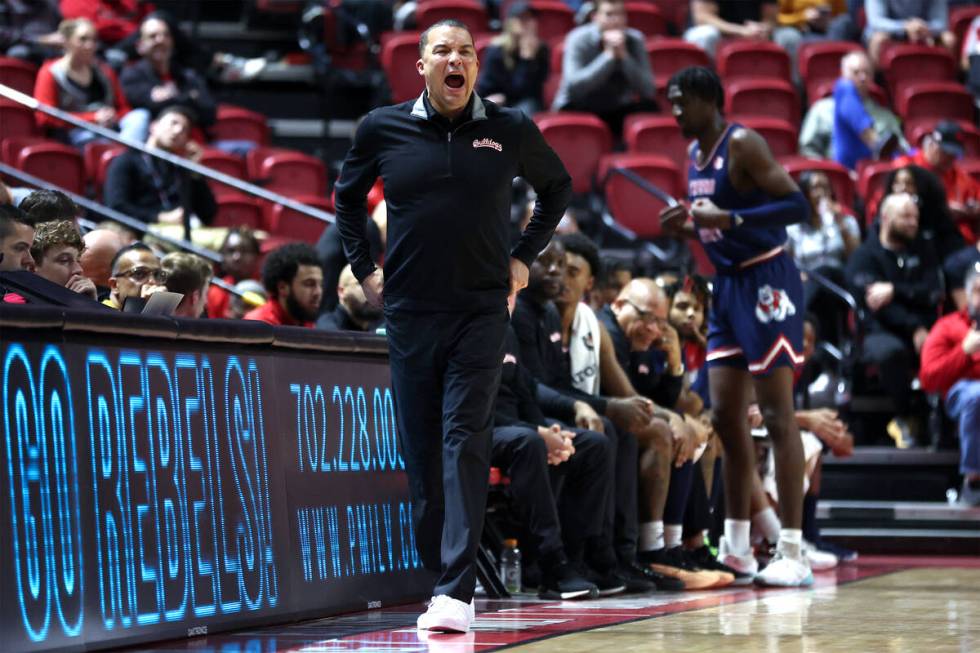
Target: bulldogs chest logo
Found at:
773, 305
487, 142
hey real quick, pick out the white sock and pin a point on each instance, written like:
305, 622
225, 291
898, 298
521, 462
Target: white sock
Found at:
737, 536
790, 542
768, 524
672, 535
651, 536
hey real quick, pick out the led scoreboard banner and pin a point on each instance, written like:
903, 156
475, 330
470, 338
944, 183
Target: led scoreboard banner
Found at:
201, 476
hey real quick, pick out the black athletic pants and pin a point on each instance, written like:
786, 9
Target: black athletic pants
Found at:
445, 369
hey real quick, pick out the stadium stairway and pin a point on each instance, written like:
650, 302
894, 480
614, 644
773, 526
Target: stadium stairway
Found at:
885, 500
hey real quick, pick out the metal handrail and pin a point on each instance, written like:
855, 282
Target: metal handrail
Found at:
180, 162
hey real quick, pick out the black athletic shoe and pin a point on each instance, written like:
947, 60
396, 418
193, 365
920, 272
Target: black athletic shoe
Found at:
657, 580
704, 559
565, 583
608, 582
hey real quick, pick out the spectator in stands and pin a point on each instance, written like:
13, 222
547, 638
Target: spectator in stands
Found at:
16, 238
100, 248
970, 58
756, 20
832, 233
818, 19
56, 250
613, 276
86, 88
822, 245
156, 81
516, 64
189, 275
940, 149
950, 366
136, 274
817, 137
606, 69
855, 136
353, 312
896, 277
912, 21
239, 257
47, 205
153, 190
935, 221
29, 29
293, 277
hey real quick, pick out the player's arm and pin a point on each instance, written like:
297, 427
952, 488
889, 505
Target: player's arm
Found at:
752, 158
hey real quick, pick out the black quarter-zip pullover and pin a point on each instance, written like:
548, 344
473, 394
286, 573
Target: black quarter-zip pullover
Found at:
448, 193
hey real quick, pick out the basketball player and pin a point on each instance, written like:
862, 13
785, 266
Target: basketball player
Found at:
741, 202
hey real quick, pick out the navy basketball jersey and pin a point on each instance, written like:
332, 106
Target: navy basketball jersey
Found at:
729, 248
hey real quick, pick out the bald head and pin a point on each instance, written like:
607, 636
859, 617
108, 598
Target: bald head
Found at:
899, 219
101, 246
856, 67
641, 311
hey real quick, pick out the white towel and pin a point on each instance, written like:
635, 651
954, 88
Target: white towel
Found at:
583, 350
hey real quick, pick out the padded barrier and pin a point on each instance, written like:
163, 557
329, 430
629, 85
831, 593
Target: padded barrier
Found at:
164, 478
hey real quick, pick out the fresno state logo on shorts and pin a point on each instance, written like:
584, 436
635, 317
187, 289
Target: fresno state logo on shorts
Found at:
773, 305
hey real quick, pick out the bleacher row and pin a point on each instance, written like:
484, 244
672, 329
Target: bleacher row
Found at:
920, 86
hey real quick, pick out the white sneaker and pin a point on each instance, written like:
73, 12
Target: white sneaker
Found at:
785, 572
447, 615
745, 565
818, 560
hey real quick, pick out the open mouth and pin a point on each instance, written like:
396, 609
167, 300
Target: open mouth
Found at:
455, 80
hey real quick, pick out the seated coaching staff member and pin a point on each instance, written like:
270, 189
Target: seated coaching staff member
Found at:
447, 160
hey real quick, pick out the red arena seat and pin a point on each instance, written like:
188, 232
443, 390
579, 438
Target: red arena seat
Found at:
781, 135
960, 19
763, 97
646, 17
935, 100
631, 206
580, 139
17, 74
656, 134
555, 19
399, 53
237, 123
283, 221
237, 210
840, 177
294, 173
753, 59
16, 120
820, 60
871, 176
224, 162
906, 63
60, 164
668, 55
473, 14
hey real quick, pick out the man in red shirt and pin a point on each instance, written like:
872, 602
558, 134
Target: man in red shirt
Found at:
938, 154
293, 277
951, 367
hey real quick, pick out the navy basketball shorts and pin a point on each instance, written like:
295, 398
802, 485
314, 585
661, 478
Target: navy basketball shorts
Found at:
756, 319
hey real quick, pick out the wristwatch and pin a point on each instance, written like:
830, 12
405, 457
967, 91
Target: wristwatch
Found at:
737, 220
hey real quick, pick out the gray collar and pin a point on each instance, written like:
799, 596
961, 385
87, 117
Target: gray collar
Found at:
479, 111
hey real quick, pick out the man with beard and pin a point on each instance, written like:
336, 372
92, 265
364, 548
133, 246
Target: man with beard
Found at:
897, 278
353, 312
294, 280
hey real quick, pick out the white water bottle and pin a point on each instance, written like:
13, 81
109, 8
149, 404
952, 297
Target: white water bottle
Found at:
510, 566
